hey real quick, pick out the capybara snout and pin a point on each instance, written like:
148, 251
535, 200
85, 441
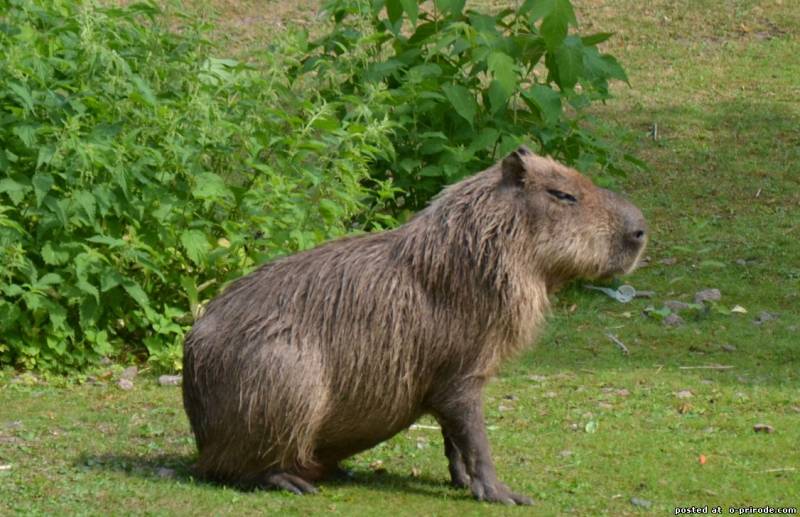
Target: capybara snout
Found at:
317, 356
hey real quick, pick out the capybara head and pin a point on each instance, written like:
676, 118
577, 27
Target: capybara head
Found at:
580, 230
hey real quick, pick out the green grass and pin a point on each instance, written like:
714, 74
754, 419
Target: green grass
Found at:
720, 79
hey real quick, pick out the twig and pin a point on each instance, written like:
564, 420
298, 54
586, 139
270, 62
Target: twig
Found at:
708, 367
423, 426
784, 469
619, 343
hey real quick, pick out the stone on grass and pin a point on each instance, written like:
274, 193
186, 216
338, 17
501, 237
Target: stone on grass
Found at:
673, 320
129, 373
125, 384
707, 295
170, 380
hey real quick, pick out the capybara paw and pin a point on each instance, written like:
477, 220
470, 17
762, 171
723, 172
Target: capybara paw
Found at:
498, 493
458, 475
290, 483
459, 482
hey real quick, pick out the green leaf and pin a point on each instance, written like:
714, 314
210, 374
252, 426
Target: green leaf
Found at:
547, 100
56, 206
569, 60
537, 9
88, 288
144, 91
498, 96
23, 93
41, 186
52, 256
555, 25
504, 70
109, 279
450, 6
111, 242
412, 10
46, 153
136, 292
594, 39
613, 68
394, 10
86, 201
14, 189
196, 245
211, 187
48, 280
462, 100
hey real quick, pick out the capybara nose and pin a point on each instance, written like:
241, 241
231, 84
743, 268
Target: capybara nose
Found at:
635, 229
636, 237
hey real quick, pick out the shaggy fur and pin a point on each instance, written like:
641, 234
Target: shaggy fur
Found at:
319, 355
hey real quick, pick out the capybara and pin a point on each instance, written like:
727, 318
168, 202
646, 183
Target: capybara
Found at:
317, 356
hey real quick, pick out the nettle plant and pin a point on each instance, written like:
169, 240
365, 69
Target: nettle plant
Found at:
138, 173
467, 87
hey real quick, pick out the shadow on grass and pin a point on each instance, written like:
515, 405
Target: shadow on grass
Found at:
178, 468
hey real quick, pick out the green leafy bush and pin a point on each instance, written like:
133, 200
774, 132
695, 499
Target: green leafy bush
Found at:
138, 174
465, 88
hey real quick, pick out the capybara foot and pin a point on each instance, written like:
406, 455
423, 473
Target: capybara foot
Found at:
498, 493
289, 482
458, 474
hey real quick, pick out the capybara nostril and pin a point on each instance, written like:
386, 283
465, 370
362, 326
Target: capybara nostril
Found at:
637, 236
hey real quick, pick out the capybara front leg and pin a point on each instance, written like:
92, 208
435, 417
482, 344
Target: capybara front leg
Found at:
289, 482
458, 471
462, 421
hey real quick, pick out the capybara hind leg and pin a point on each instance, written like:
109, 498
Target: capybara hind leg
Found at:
290, 482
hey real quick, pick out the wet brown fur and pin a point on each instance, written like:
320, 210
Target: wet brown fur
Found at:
319, 355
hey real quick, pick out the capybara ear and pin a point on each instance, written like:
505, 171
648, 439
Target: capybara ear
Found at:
514, 168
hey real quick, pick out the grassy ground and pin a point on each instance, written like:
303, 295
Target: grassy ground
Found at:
574, 423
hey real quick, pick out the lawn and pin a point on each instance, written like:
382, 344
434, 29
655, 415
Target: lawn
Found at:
575, 423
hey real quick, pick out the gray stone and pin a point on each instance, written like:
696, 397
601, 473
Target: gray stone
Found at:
170, 380
707, 295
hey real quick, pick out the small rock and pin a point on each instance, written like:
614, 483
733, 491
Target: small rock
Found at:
644, 294
764, 317
129, 373
707, 295
668, 261
125, 384
641, 503
170, 380
676, 306
684, 394
728, 348
763, 428
673, 320
166, 473
105, 361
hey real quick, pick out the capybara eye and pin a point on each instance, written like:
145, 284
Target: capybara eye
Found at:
562, 196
